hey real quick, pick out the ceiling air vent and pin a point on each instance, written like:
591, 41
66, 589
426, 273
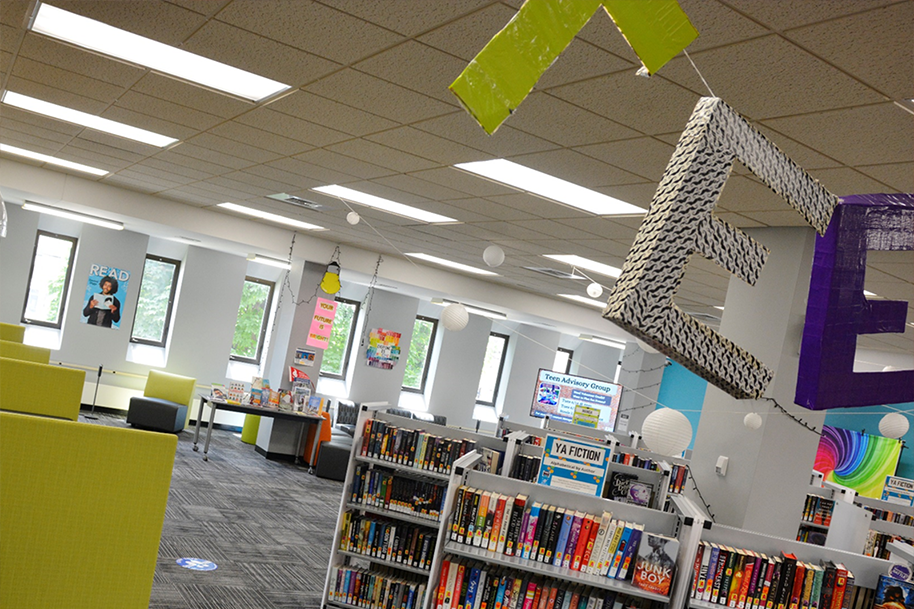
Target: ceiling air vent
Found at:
545, 270
297, 201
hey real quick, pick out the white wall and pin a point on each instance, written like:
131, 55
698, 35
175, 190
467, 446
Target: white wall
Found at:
529, 349
455, 379
15, 255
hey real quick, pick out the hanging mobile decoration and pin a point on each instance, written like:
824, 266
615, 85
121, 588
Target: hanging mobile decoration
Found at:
368, 298
353, 217
330, 284
493, 255
594, 290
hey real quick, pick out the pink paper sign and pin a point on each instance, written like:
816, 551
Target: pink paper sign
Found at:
322, 323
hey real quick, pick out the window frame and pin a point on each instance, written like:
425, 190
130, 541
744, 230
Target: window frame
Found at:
570, 353
501, 369
171, 301
428, 354
65, 294
263, 324
349, 342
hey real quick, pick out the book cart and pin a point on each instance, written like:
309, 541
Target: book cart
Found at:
410, 576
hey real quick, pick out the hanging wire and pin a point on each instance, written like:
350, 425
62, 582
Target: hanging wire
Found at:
699, 73
798, 420
698, 490
369, 297
287, 283
648, 369
369, 225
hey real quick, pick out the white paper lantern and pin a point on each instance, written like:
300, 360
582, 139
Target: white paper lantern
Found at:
893, 425
753, 420
666, 431
493, 255
353, 217
455, 317
594, 290
646, 347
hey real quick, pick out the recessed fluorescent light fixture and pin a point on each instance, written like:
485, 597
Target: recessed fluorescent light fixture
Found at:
443, 302
72, 215
603, 341
265, 215
114, 42
52, 160
550, 187
391, 207
718, 307
91, 121
586, 264
869, 294
280, 264
453, 265
584, 300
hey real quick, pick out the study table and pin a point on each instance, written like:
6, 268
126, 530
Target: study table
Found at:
288, 415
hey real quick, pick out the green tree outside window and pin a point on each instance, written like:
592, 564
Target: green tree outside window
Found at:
336, 354
419, 354
250, 328
153, 309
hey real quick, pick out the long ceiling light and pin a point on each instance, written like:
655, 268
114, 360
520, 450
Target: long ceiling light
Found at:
280, 264
586, 264
102, 38
52, 160
265, 215
602, 341
451, 264
391, 207
91, 121
72, 215
550, 187
584, 300
443, 302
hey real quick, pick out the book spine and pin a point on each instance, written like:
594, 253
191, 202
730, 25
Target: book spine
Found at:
631, 549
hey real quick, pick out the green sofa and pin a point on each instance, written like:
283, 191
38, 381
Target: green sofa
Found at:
33, 388
81, 512
14, 350
12, 332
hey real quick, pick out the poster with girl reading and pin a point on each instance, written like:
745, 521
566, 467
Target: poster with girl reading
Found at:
105, 293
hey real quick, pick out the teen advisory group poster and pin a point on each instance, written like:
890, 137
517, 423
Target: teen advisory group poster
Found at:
105, 293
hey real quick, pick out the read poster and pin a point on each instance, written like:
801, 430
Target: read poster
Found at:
105, 294
573, 465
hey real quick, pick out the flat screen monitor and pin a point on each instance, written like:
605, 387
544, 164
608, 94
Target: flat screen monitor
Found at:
575, 399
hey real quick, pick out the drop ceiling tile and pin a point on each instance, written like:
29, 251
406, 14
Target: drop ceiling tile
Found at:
209, 155
409, 19
740, 194
540, 207
718, 25
773, 15
268, 172
602, 31
419, 187
304, 169
577, 168
187, 155
425, 145
778, 86
378, 96
354, 168
9, 42
462, 128
65, 57
804, 156
552, 228
160, 21
159, 169
261, 185
226, 192
155, 182
235, 149
738, 220
114, 146
289, 126
844, 181
897, 176
15, 13
27, 141
512, 230
262, 56
55, 95
150, 123
645, 157
463, 181
131, 184
317, 109
777, 218
579, 61
246, 186
484, 209
330, 33
184, 94
38, 123
382, 155
245, 134
867, 135
556, 120
72, 82
204, 7
605, 227
416, 66
50, 137
186, 198
176, 113
466, 36
649, 106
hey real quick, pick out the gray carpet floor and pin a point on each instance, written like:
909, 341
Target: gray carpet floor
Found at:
268, 526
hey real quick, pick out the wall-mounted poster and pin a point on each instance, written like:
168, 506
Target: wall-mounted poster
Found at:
383, 349
857, 460
322, 324
304, 357
105, 294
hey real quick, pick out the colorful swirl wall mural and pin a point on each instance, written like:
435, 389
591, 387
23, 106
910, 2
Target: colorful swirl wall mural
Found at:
857, 460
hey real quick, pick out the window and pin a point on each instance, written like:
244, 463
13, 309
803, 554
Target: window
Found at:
562, 361
157, 297
251, 326
420, 347
492, 366
49, 279
336, 355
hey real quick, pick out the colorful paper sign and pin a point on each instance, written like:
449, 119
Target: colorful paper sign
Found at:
106, 292
383, 349
498, 79
857, 460
322, 323
574, 465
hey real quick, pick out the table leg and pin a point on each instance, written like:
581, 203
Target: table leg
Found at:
317, 441
197, 427
301, 446
209, 430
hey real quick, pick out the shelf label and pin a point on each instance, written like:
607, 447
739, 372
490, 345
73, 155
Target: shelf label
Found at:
574, 465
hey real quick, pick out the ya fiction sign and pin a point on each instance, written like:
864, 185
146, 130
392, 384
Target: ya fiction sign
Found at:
574, 465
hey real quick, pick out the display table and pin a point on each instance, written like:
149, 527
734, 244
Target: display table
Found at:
288, 415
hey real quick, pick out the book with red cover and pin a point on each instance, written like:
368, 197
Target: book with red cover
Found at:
581, 546
797, 589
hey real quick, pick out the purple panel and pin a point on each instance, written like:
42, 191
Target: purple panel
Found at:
837, 311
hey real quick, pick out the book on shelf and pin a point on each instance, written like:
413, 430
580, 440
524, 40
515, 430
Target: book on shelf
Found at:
877, 543
387, 540
812, 535
525, 467
412, 447
627, 488
491, 460
397, 493
890, 516
893, 594
376, 588
655, 564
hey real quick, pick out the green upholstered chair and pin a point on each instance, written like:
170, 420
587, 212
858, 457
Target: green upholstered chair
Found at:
12, 332
81, 512
42, 389
164, 404
14, 350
